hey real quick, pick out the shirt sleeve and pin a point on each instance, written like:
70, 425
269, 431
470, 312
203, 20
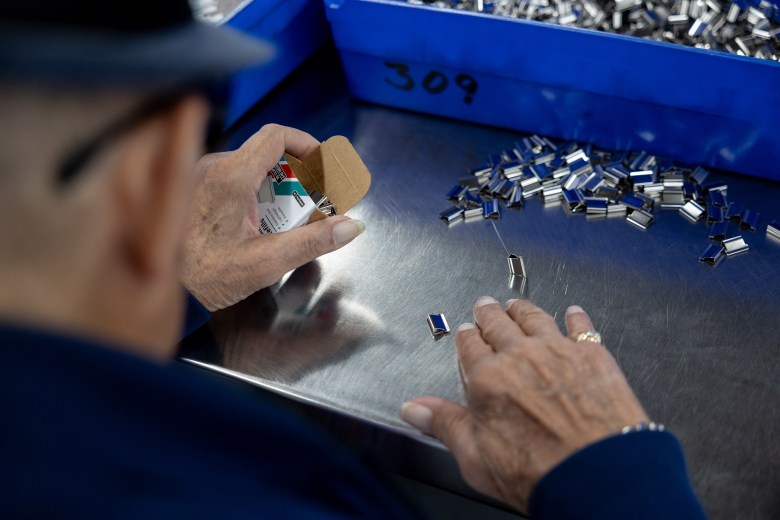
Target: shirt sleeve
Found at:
637, 475
196, 315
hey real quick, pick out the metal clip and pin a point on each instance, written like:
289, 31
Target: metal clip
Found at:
647, 200
472, 200
654, 189
544, 157
617, 208
490, 209
577, 154
643, 161
633, 202
516, 265
494, 186
504, 190
580, 165
541, 171
451, 214
472, 213
513, 170
573, 182
596, 205
717, 186
698, 193
688, 190
641, 219
735, 245
717, 198
718, 231
470, 182
641, 178
457, 192
438, 325
672, 199
692, 211
617, 173
552, 193
481, 172
591, 183
714, 213
734, 212
773, 230
608, 192
530, 191
317, 197
516, 198
673, 180
750, 219
712, 255
574, 199
328, 209
530, 183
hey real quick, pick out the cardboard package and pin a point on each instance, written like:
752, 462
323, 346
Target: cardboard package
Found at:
335, 170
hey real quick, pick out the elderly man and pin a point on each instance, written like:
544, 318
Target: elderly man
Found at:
108, 214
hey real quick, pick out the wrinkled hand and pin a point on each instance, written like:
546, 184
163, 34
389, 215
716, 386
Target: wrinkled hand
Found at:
225, 257
534, 398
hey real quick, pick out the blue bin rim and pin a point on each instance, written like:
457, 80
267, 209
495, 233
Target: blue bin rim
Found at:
335, 5
740, 85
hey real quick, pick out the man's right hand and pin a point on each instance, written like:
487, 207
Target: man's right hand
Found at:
225, 257
534, 397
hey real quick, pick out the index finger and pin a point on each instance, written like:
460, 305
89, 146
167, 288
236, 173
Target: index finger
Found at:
532, 319
267, 145
471, 347
498, 329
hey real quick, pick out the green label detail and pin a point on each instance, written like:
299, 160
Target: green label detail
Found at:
288, 187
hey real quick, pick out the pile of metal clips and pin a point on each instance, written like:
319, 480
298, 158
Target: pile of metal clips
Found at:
593, 181
741, 28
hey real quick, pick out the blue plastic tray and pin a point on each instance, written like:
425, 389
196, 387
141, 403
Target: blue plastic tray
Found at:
295, 27
692, 105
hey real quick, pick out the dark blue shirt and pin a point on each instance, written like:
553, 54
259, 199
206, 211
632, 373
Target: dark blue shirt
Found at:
91, 431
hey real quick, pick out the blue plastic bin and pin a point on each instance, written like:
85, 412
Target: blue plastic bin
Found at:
295, 27
692, 105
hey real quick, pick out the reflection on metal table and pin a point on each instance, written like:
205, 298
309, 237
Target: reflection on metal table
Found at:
348, 333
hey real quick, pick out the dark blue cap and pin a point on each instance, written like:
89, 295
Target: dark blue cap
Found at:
144, 43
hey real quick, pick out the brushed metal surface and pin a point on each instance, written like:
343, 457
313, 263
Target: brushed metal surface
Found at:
699, 344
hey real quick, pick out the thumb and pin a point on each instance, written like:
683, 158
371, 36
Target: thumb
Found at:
300, 246
446, 421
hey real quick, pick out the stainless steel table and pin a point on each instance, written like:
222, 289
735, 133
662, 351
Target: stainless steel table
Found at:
348, 334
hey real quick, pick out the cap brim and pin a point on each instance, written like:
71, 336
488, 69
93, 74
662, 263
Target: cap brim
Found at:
188, 53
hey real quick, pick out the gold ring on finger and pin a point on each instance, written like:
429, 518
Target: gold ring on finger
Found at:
589, 335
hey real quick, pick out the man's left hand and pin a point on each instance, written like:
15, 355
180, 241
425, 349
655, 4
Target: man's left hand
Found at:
226, 258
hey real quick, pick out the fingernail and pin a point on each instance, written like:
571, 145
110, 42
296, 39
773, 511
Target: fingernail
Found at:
417, 415
510, 302
574, 309
466, 326
345, 231
485, 300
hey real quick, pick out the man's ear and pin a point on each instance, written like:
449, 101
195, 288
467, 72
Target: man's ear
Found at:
155, 181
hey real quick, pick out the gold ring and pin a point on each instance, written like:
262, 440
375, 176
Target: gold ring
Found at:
589, 335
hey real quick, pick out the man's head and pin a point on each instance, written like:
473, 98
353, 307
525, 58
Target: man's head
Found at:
98, 254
